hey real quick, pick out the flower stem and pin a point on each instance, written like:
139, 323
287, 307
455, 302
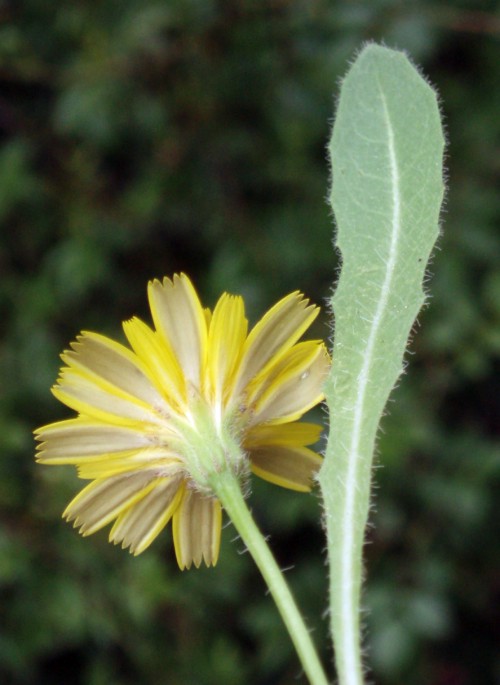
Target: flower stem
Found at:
229, 492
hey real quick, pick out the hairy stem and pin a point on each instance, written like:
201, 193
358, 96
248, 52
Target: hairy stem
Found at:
229, 492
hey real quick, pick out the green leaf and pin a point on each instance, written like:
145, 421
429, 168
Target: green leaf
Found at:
387, 155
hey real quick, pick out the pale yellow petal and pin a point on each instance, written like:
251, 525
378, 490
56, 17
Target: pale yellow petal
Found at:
226, 336
179, 317
196, 527
100, 400
103, 500
76, 440
276, 332
289, 364
159, 459
99, 356
285, 434
141, 523
290, 467
157, 355
296, 388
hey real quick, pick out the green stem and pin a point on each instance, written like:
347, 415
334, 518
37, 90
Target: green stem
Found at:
229, 492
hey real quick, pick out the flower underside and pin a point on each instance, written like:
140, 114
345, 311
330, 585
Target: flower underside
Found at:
153, 420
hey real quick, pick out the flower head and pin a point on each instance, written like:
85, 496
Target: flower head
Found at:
194, 396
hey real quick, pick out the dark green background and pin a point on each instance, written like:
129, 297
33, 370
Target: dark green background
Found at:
141, 138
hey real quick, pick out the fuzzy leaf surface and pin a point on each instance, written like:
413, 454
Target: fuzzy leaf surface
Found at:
387, 167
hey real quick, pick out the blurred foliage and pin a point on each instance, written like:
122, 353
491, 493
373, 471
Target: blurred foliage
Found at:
144, 137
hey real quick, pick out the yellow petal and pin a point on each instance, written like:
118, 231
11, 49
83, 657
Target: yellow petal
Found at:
294, 386
179, 317
226, 336
98, 356
76, 440
157, 355
285, 434
275, 333
100, 400
103, 500
196, 527
141, 523
288, 365
290, 467
162, 461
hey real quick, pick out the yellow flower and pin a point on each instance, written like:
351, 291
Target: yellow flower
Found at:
197, 395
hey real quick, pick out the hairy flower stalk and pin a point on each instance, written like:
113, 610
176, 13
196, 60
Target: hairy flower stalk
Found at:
193, 399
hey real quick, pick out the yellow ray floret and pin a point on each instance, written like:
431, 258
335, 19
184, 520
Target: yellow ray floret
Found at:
179, 317
226, 337
290, 467
100, 358
197, 529
156, 354
275, 333
138, 526
289, 434
104, 499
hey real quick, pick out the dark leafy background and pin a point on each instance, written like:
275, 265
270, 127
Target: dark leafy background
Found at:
141, 138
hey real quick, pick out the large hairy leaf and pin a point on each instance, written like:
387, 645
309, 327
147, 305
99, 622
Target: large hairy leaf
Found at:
386, 153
